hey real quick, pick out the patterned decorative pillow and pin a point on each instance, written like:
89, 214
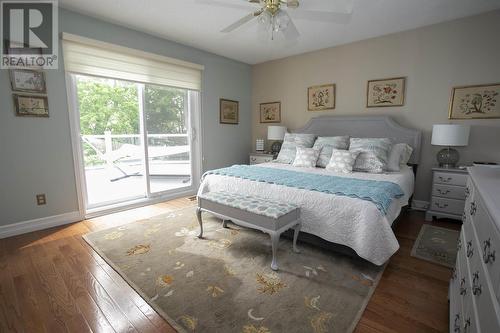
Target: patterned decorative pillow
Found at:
328, 143
373, 153
306, 157
399, 155
342, 160
290, 144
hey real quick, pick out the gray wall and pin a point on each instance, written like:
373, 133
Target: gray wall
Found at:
434, 59
36, 156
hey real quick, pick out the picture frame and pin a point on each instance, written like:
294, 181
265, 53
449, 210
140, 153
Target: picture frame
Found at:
28, 80
228, 111
480, 101
385, 92
322, 97
270, 112
27, 105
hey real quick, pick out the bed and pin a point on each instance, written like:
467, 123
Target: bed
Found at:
348, 221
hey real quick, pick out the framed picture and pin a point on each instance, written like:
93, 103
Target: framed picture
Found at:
31, 105
270, 112
28, 80
385, 92
228, 111
475, 102
321, 97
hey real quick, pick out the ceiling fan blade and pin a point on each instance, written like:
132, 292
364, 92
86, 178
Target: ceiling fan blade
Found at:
332, 6
290, 3
314, 15
227, 3
241, 21
291, 32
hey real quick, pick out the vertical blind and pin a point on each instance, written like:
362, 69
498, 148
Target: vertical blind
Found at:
91, 57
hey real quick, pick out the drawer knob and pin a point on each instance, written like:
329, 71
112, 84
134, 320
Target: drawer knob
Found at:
464, 217
463, 288
456, 324
467, 325
470, 249
253, 159
454, 273
443, 192
476, 287
459, 245
445, 180
467, 192
441, 205
488, 255
473, 208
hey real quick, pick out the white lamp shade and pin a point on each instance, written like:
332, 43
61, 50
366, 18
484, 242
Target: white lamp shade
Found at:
276, 132
450, 135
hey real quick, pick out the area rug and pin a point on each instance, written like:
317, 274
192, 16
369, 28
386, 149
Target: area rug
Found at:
437, 245
224, 283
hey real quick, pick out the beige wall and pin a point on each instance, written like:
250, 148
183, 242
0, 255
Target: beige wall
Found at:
434, 59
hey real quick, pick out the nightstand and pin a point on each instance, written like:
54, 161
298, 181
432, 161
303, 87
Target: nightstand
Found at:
257, 158
448, 193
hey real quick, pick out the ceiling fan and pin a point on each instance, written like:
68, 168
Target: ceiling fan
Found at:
273, 15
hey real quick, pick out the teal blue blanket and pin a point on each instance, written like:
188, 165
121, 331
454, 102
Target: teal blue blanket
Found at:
381, 193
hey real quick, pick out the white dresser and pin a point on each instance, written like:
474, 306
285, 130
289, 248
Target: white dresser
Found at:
475, 284
257, 158
448, 193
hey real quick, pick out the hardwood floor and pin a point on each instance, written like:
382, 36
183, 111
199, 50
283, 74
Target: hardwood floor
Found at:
52, 281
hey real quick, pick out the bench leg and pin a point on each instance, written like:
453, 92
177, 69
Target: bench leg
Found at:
295, 236
198, 215
275, 239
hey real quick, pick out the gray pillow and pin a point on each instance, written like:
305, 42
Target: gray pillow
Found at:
373, 153
399, 155
290, 144
325, 144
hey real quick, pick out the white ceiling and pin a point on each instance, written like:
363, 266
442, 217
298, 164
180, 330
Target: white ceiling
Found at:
198, 23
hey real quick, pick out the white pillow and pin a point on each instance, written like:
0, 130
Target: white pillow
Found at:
342, 160
398, 156
373, 153
306, 157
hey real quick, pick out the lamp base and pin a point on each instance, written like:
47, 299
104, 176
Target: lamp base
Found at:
448, 158
275, 148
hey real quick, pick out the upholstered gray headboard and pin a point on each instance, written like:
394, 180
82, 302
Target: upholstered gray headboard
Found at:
365, 127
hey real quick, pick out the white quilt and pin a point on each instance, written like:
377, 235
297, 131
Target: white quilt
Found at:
353, 222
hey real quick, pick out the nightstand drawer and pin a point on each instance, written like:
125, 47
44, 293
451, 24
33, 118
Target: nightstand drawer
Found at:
257, 159
448, 191
449, 178
451, 206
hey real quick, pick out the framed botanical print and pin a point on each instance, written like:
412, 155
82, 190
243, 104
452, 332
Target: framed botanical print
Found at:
270, 112
28, 80
229, 111
31, 105
475, 102
321, 97
385, 92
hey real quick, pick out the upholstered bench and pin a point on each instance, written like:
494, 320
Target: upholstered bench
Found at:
269, 216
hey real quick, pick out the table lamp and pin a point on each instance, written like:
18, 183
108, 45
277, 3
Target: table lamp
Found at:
449, 135
276, 133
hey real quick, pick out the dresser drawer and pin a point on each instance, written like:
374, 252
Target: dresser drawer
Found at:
448, 191
481, 291
448, 178
488, 242
451, 206
455, 297
255, 159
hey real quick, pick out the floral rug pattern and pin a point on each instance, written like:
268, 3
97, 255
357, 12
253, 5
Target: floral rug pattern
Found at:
224, 283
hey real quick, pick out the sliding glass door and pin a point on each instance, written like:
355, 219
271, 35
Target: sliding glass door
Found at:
135, 139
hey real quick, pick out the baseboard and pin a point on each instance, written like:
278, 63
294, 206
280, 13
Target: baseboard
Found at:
420, 205
23, 227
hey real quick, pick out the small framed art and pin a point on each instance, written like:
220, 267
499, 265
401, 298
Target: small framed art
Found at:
31, 105
28, 80
270, 112
321, 98
229, 111
385, 92
475, 102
